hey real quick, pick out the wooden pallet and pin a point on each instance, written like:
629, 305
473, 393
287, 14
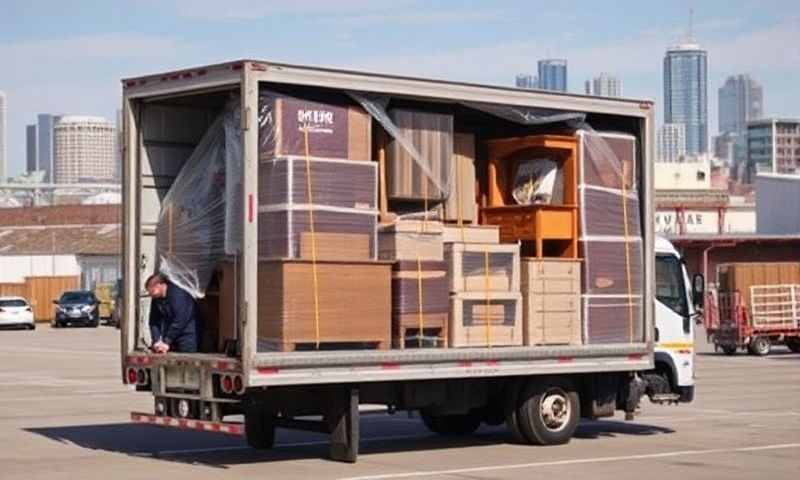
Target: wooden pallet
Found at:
434, 325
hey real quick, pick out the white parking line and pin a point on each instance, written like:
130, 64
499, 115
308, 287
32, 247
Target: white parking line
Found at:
576, 461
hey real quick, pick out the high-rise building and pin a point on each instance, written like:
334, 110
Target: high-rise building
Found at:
44, 149
3, 138
526, 80
604, 85
31, 141
773, 145
686, 93
741, 99
84, 150
553, 74
671, 142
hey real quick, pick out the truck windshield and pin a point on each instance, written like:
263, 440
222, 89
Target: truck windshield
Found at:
670, 287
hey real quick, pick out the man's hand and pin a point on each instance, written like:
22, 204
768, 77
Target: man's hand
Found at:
160, 347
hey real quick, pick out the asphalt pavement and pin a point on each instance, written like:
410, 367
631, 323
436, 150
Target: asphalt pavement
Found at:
65, 415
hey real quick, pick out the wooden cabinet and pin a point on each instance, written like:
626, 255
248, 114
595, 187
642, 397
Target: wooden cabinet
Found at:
539, 223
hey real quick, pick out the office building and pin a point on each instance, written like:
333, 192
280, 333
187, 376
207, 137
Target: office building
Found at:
604, 85
31, 141
741, 100
84, 150
525, 80
553, 74
44, 145
773, 146
3, 138
686, 93
671, 143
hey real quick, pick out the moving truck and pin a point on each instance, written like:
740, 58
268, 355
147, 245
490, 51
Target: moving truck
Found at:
634, 343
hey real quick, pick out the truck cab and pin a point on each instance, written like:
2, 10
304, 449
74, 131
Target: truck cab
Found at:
672, 380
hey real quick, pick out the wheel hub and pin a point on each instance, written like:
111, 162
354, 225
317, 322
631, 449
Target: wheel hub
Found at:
554, 410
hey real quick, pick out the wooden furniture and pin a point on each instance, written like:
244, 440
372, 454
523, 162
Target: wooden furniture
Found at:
411, 240
551, 301
460, 204
553, 228
354, 305
466, 263
470, 313
471, 234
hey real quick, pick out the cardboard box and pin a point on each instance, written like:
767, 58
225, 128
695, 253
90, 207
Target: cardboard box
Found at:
337, 127
471, 234
354, 305
613, 319
481, 320
410, 240
466, 263
409, 277
336, 246
406, 328
740, 277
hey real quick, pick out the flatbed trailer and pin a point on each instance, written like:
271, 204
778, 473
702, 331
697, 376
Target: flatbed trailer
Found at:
453, 388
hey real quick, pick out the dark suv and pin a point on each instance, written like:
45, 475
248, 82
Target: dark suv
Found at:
77, 307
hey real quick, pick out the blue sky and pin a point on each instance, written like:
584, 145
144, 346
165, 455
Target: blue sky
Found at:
68, 57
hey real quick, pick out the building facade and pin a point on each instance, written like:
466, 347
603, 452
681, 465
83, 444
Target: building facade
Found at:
553, 74
3, 137
686, 94
84, 150
526, 80
773, 193
741, 100
671, 142
31, 142
773, 146
604, 85
683, 175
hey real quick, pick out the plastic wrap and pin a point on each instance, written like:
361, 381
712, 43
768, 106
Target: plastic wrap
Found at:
200, 218
534, 181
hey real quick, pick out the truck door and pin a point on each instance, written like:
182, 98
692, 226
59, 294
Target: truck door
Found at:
674, 325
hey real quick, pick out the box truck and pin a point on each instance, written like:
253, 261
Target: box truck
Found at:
479, 254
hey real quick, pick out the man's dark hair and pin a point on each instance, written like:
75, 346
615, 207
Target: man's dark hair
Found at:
157, 277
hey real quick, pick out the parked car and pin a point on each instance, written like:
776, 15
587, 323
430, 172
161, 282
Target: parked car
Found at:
16, 312
77, 307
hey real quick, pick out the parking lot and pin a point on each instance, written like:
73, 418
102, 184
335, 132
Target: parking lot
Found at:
65, 413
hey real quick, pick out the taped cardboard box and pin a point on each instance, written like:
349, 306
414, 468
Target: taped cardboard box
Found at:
410, 278
471, 234
354, 305
467, 264
489, 319
337, 128
411, 240
739, 277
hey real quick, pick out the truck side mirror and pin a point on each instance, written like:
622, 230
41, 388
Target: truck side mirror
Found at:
698, 289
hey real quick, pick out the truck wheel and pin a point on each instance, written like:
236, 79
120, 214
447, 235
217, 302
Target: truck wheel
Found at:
512, 409
549, 411
728, 349
259, 428
759, 346
464, 424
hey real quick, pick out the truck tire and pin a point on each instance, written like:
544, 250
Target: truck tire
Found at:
760, 346
259, 428
452, 425
512, 409
549, 411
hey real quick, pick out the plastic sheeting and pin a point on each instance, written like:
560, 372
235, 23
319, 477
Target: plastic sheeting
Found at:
535, 181
200, 219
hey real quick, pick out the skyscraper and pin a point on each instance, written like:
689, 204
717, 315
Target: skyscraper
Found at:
686, 93
553, 74
741, 100
44, 148
671, 142
604, 85
526, 80
84, 150
31, 140
3, 139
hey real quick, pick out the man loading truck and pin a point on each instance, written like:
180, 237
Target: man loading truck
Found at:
174, 322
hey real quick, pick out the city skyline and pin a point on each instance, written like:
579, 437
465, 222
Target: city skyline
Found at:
741, 99
61, 69
686, 93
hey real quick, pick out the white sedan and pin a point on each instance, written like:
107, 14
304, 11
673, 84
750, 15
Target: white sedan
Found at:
16, 312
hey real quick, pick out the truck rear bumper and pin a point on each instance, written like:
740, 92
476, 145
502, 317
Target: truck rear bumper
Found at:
229, 428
